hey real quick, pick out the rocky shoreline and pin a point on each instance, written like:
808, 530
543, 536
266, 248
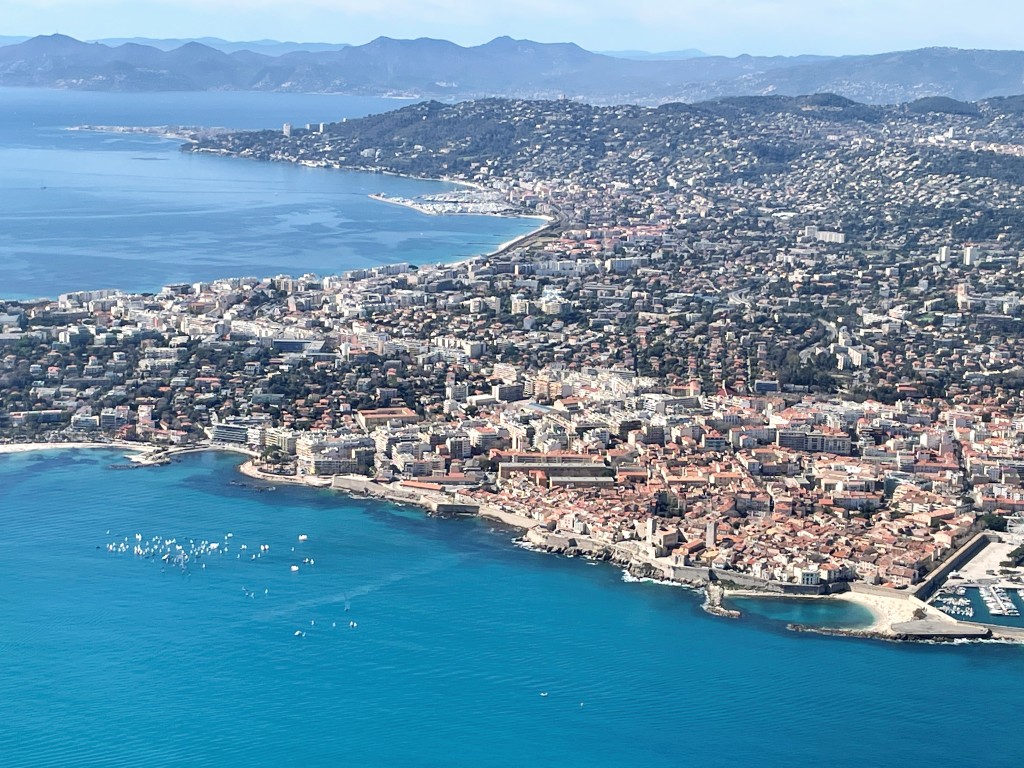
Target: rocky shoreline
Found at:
713, 604
643, 571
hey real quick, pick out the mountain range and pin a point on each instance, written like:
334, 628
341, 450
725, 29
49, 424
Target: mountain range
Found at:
428, 68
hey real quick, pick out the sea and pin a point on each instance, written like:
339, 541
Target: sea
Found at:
408, 640
400, 639
84, 210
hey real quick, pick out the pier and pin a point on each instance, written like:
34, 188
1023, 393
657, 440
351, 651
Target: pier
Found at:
932, 629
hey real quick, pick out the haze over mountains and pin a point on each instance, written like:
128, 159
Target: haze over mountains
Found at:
427, 68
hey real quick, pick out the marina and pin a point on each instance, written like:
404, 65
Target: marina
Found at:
985, 588
997, 601
458, 202
986, 602
954, 602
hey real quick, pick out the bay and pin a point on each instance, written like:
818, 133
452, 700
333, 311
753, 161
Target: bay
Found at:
86, 210
110, 659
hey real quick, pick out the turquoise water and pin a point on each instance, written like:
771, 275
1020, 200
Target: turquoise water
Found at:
114, 660
83, 210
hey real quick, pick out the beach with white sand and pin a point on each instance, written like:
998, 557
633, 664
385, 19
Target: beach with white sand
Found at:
8, 448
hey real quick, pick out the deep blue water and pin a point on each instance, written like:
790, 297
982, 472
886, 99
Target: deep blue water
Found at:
82, 210
113, 660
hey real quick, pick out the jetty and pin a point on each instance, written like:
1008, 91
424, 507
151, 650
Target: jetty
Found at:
937, 629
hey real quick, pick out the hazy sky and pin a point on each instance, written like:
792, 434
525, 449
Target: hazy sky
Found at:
728, 27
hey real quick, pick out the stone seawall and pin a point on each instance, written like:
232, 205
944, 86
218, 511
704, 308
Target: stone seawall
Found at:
936, 578
619, 553
364, 487
880, 591
742, 581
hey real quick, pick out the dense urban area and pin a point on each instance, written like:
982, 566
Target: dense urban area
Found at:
773, 337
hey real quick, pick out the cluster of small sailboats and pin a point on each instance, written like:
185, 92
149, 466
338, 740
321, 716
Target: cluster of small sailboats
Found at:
184, 554
334, 625
173, 553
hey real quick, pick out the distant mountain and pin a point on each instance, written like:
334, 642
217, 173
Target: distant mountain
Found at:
689, 53
265, 47
427, 68
9, 40
966, 75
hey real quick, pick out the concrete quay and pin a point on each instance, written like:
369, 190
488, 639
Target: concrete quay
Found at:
937, 629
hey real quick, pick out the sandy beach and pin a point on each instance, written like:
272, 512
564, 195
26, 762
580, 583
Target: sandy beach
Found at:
885, 611
6, 448
522, 240
144, 454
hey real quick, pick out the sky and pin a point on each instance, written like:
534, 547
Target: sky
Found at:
724, 27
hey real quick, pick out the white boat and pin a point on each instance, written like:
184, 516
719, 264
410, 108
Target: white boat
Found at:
295, 568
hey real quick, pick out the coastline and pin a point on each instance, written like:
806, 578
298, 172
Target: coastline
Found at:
141, 454
188, 140
188, 134
519, 241
516, 242
523, 240
249, 469
550, 222
357, 487
901, 617
890, 615
12, 448
884, 611
424, 207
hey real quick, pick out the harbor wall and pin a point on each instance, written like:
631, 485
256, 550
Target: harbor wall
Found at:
688, 574
936, 578
735, 580
1010, 633
453, 508
864, 588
